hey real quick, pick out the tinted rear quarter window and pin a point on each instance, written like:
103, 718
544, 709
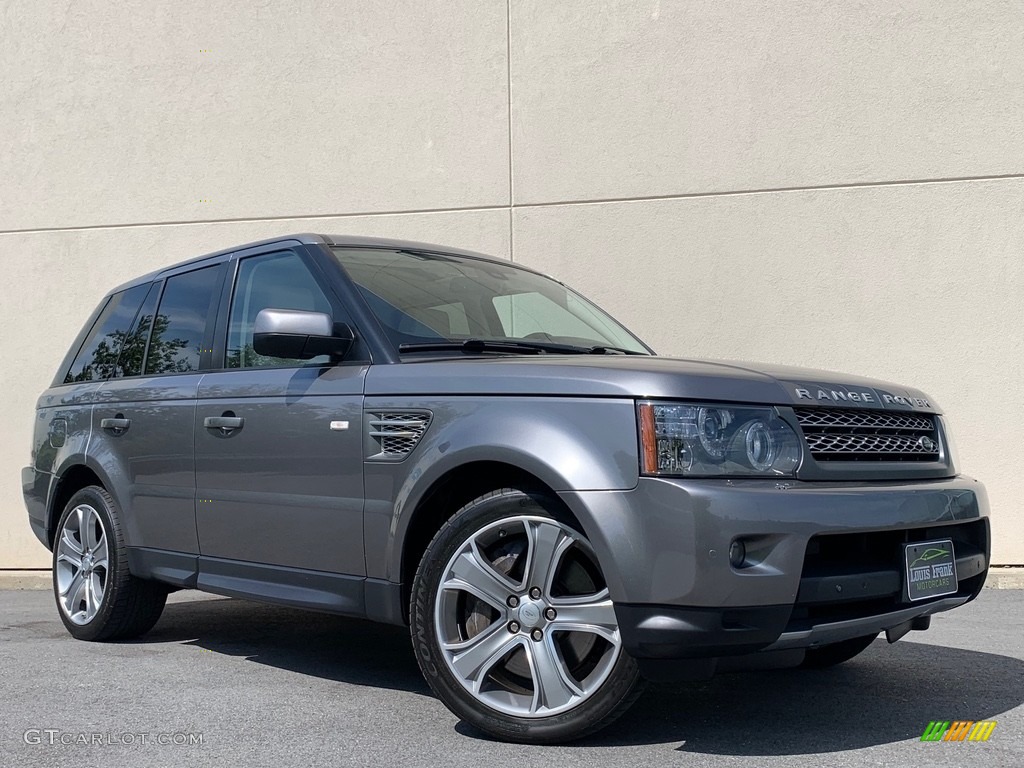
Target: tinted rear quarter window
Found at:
129, 363
97, 358
179, 328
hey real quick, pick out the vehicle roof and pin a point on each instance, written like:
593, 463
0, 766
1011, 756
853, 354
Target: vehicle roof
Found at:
309, 238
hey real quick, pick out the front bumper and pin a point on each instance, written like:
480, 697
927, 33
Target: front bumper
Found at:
825, 559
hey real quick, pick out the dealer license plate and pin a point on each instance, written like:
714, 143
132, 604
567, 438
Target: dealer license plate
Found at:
931, 569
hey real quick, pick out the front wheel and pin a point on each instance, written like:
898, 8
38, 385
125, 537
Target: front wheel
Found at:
513, 625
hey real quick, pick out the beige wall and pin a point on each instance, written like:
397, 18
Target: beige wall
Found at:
832, 184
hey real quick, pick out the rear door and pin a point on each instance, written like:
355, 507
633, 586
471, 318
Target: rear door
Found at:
282, 492
144, 417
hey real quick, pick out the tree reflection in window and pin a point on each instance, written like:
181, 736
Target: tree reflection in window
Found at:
108, 360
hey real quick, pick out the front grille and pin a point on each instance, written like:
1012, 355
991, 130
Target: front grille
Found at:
826, 445
840, 434
849, 419
397, 433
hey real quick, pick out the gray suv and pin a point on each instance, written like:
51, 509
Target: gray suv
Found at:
428, 437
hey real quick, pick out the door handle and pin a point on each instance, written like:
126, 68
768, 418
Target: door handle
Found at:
118, 425
226, 423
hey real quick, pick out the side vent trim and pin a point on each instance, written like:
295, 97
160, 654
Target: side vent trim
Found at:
395, 434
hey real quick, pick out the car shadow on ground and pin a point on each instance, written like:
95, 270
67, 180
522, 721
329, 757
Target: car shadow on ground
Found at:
885, 695
308, 643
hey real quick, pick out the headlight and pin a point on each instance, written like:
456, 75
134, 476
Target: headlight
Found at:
714, 440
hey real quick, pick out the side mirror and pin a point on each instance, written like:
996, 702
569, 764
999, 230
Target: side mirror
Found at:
300, 335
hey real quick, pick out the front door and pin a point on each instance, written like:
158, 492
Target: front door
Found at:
279, 483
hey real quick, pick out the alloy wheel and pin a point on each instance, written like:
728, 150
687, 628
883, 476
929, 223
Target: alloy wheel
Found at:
82, 564
524, 619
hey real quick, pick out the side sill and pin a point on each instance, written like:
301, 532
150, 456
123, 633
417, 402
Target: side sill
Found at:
374, 599
296, 587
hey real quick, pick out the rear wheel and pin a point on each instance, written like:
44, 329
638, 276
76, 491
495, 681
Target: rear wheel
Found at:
97, 598
513, 625
836, 653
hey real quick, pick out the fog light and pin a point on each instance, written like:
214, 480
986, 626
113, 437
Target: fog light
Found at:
737, 554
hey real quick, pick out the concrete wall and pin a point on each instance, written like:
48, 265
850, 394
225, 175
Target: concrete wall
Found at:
832, 184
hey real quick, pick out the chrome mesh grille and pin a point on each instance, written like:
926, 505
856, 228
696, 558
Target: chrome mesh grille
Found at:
825, 443
820, 417
397, 433
839, 434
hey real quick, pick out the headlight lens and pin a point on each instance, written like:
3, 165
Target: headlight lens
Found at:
695, 440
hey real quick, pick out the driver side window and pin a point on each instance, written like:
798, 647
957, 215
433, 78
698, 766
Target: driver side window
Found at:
278, 281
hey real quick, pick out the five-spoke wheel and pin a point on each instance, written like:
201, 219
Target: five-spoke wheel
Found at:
521, 636
522, 623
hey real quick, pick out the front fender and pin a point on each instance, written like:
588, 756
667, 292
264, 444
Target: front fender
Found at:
566, 443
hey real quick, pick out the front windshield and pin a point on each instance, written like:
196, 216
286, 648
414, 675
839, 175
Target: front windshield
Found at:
424, 297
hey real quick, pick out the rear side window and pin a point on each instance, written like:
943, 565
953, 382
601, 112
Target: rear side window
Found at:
130, 361
97, 359
179, 327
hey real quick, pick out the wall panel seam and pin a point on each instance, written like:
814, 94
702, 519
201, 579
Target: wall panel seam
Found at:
258, 219
776, 190
554, 203
511, 156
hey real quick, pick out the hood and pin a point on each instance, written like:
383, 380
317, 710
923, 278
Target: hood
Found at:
636, 376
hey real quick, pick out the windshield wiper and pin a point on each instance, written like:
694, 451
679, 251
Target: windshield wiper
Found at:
511, 346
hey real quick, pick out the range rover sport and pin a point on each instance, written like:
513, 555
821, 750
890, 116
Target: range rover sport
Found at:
428, 437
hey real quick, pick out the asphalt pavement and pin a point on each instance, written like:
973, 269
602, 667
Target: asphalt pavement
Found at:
223, 682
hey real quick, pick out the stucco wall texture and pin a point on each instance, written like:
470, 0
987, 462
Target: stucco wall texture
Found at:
834, 184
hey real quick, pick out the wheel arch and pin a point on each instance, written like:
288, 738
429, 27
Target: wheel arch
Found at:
452, 490
76, 473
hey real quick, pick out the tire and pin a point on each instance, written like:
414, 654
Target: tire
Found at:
836, 653
97, 598
492, 614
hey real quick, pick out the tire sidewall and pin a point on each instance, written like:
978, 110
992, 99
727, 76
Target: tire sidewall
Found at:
101, 501
575, 723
